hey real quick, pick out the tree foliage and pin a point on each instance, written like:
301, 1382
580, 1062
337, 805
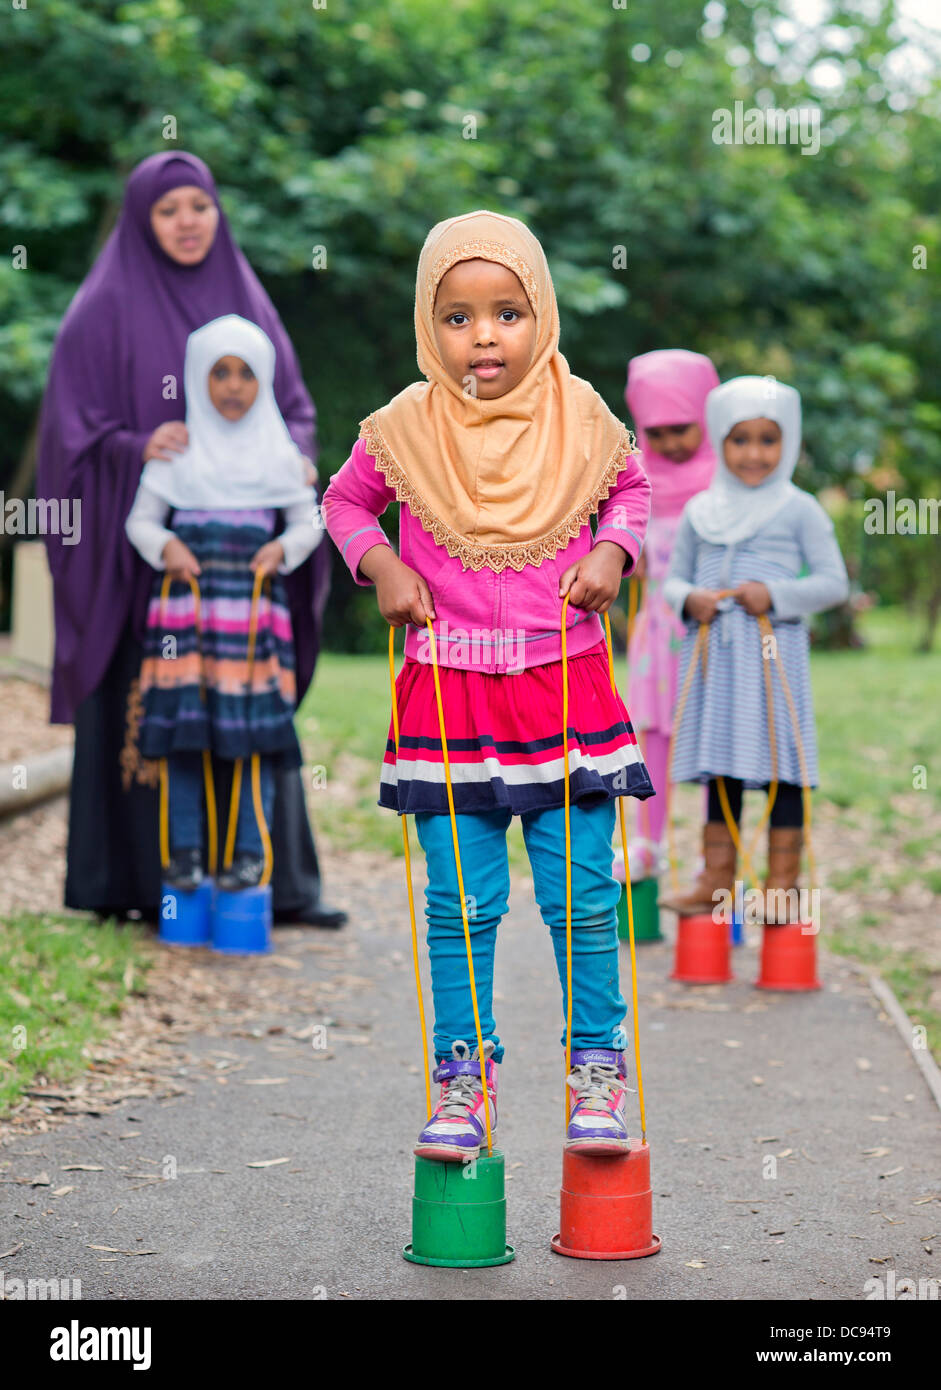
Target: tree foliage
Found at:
355, 126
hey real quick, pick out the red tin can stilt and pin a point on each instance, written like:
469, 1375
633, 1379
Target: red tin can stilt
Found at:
606, 1207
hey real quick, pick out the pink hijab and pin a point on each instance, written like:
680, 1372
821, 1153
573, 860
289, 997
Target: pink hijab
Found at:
670, 388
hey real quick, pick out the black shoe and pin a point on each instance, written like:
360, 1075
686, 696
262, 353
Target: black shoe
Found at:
185, 870
319, 916
245, 872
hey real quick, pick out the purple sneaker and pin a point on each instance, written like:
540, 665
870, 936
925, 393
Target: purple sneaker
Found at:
457, 1129
597, 1123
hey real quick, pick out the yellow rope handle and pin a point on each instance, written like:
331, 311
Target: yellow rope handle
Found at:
568, 863
207, 765
701, 645
229, 851
260, 578
772, 791
733, 829
408, 880
805, 783
630, 904
164, 815
460, 888
262, 823
211, 816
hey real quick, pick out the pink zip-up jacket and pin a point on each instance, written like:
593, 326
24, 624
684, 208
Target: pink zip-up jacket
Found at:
496, 623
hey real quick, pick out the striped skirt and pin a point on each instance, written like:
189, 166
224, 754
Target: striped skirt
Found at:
504, 737
195, 688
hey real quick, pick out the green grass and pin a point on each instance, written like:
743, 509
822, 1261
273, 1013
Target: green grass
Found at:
877, 717
904, 971
344, 723
62, 981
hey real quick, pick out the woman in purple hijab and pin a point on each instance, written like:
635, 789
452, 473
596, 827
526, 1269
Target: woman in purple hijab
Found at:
113, 399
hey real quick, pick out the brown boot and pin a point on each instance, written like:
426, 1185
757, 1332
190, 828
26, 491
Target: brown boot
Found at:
781, 902
718, 872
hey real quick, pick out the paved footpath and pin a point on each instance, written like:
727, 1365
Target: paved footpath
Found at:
796, 1148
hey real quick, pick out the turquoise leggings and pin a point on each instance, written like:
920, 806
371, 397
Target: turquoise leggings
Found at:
597, 1004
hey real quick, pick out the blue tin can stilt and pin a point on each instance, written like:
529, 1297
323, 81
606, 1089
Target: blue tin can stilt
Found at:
241, 922
186, 918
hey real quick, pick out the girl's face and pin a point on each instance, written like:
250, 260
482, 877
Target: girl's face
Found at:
485, 329
233, 387
678, 443
752, 450
184, 222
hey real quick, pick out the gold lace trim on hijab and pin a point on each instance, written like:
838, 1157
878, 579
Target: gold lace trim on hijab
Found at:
497, 557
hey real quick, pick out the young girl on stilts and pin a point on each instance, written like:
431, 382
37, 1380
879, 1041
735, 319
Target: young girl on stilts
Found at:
499, 459
201, 689
752, 532
666, 395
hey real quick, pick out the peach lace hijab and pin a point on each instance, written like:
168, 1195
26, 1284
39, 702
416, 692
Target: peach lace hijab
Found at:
507, 481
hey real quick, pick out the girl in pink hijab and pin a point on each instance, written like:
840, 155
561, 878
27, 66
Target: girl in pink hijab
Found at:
666, 395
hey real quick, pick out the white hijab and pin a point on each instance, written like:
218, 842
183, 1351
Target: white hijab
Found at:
252, 462
729, 510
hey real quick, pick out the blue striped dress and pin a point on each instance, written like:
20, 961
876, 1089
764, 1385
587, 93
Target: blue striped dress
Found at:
725, 729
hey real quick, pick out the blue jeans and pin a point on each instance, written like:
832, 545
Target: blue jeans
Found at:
597, 1004
187, 800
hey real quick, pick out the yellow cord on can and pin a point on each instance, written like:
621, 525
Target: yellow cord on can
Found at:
568, 862
630, 913
700, 650
208, 781
460, 888
568, 882
265, 879
164, 808
408, 880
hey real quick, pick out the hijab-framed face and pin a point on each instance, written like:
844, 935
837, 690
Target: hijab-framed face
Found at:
248, 461
734, 506
667, 389
184, 221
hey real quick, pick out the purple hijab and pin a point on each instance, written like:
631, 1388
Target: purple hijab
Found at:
123, 335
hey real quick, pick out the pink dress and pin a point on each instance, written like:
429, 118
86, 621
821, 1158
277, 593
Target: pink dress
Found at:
654, 651
663, 388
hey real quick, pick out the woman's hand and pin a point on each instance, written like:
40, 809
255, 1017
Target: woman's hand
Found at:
167, 439
753, 597
593, 582
179, 561
311, 476
402, 594
268, 558
702, 604
640, 569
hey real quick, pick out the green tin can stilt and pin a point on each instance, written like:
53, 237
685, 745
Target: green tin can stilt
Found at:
646, 911
459, 1214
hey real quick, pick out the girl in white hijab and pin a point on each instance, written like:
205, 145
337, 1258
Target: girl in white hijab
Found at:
754, 533
224, 490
